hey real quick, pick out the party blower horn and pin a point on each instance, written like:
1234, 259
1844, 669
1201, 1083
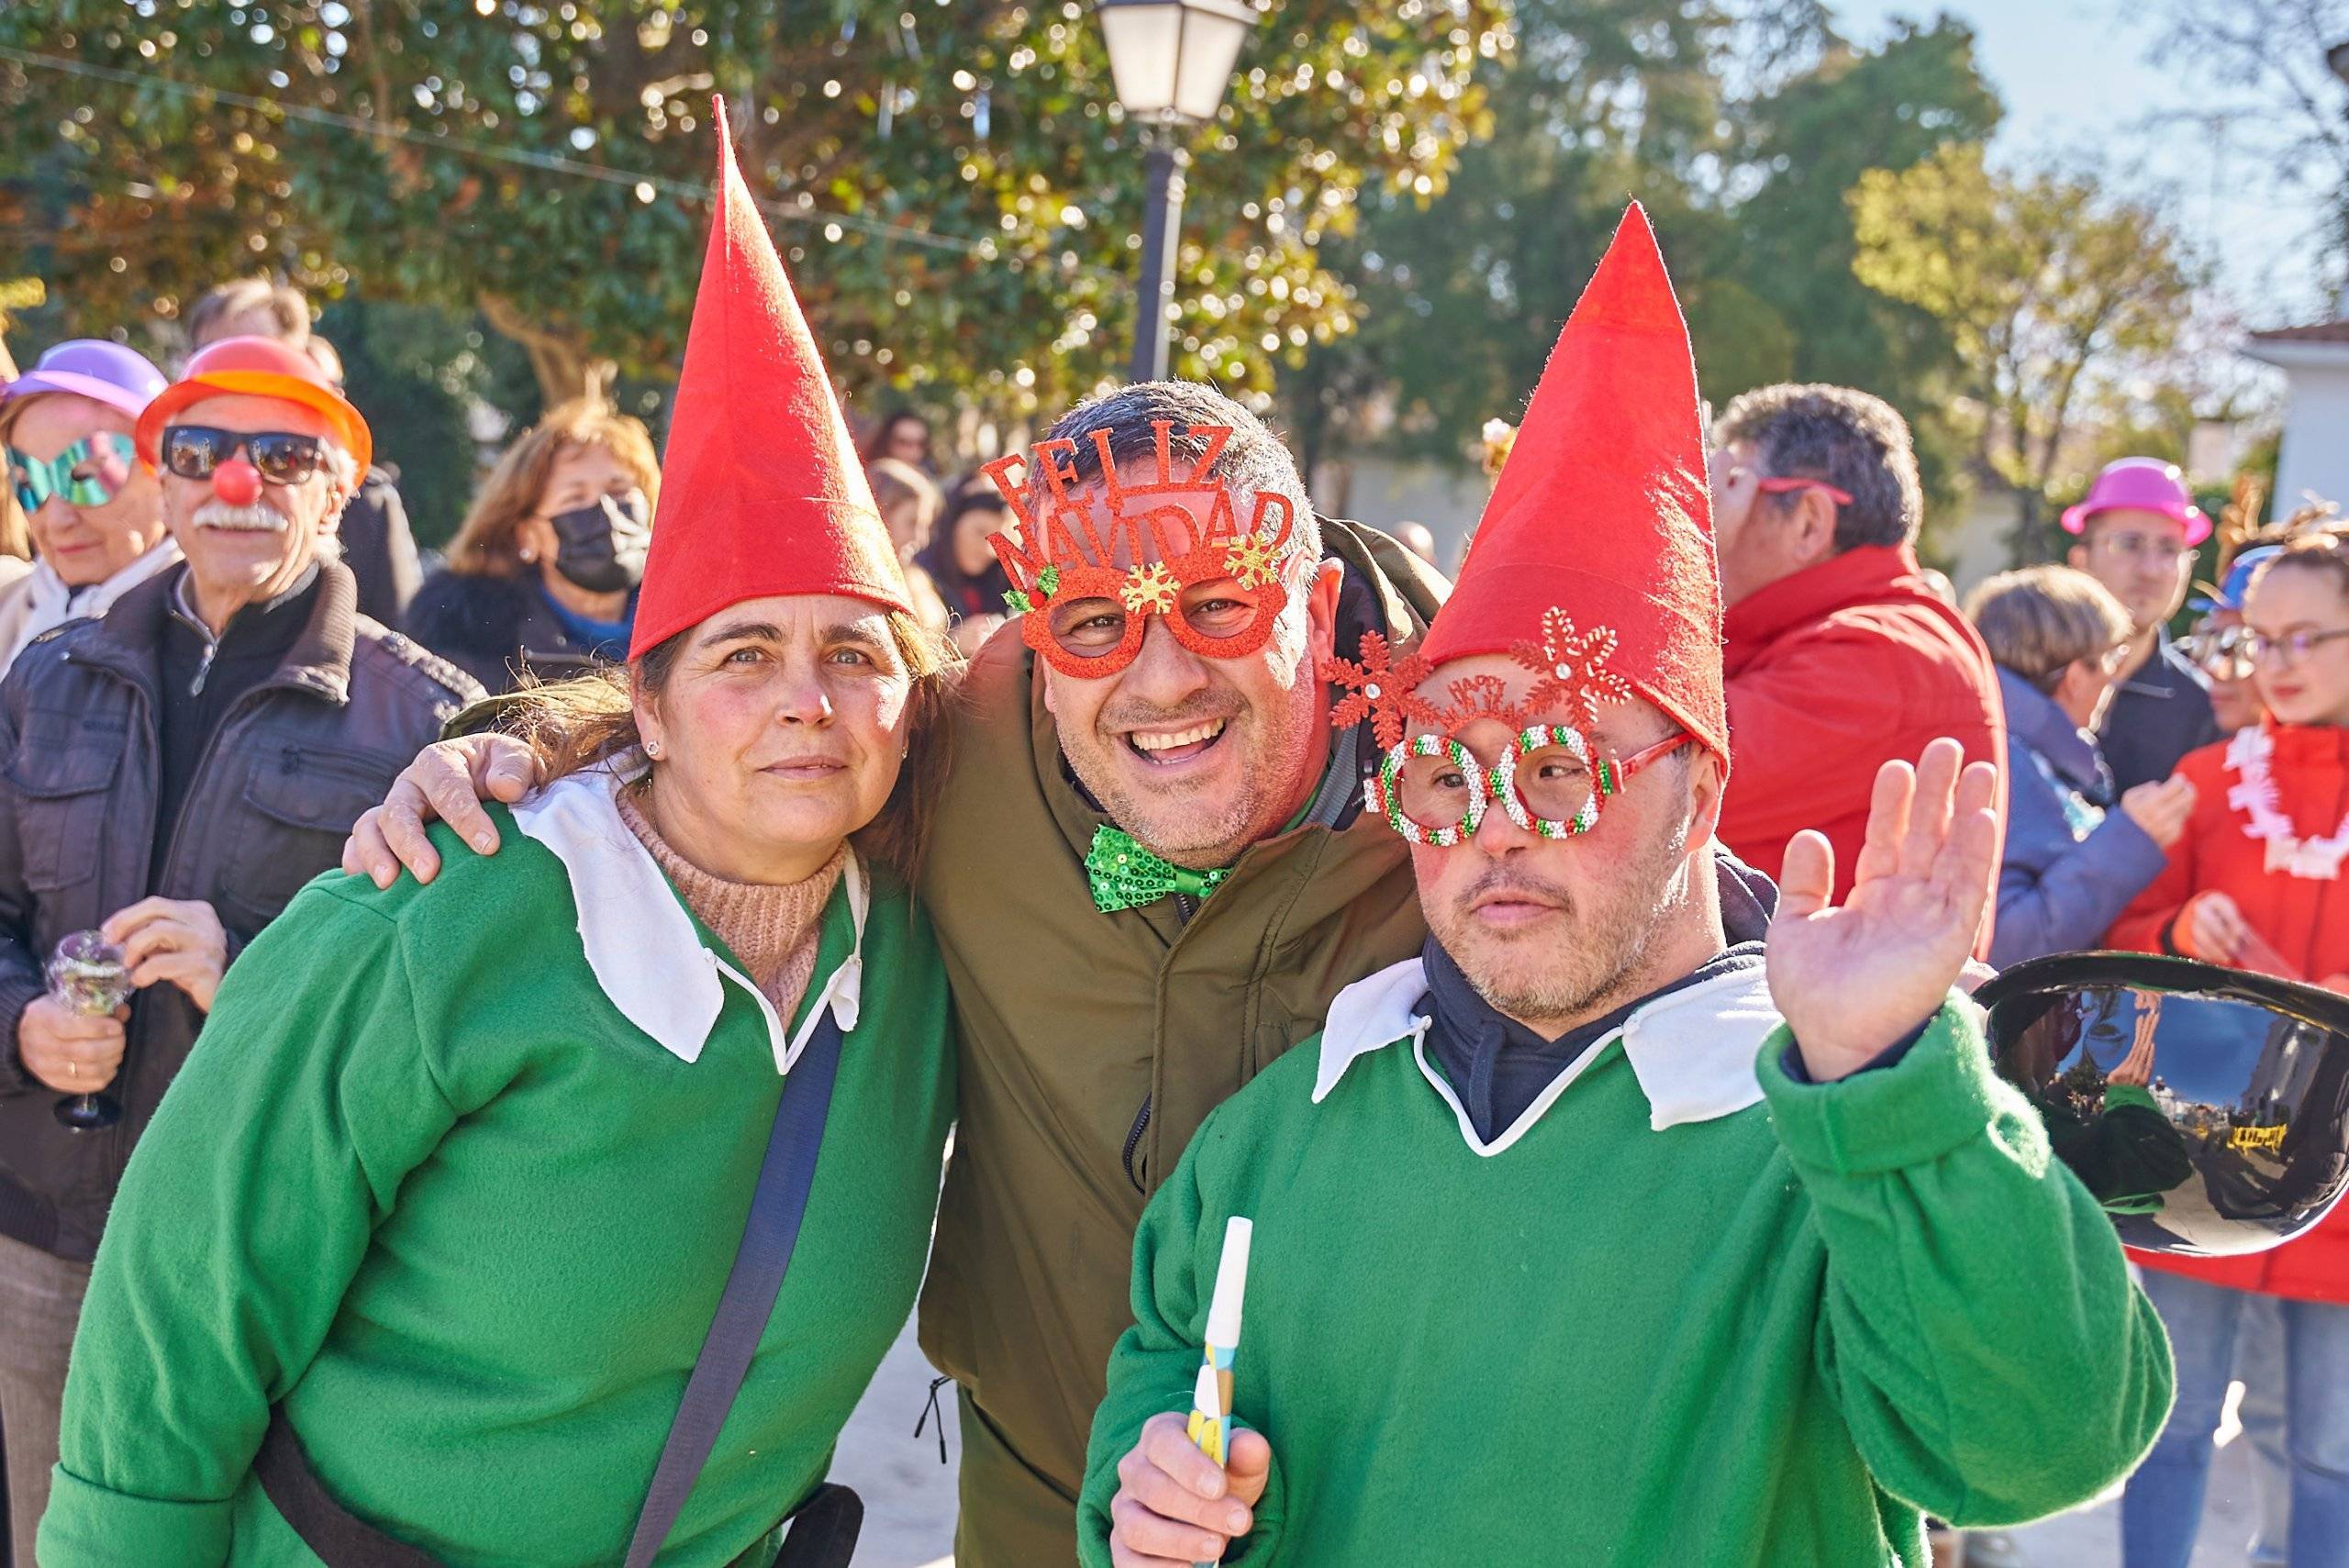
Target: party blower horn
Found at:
2207, 1110
1210, 1425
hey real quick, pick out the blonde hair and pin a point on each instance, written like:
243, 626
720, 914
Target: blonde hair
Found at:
289, 311
574, 725
484, 545
2040, 621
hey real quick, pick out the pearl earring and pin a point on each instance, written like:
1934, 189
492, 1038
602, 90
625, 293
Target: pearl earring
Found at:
528, 555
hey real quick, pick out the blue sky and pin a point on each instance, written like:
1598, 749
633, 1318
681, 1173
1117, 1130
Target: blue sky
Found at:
2077, 78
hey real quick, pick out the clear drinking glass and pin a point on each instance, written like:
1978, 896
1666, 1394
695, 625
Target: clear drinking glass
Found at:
88, 974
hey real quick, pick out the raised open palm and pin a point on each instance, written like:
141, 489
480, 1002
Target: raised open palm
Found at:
1855, 978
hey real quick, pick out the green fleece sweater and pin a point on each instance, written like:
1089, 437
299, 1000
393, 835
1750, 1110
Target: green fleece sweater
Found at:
1768, 1333
422, 1181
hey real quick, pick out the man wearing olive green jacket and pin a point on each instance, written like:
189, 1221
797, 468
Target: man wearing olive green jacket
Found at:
1159, 684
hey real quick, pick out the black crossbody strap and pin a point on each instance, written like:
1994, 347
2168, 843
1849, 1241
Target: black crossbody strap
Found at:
780, 1203
335, 1535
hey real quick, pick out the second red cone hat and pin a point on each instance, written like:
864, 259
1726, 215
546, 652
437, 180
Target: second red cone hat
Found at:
1602, 511
762, 491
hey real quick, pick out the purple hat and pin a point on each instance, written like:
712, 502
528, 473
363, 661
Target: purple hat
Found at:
2141, 484
92, 368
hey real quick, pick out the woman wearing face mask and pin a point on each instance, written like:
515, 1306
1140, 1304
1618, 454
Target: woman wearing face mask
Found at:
95, 516
2256, 883
541, 579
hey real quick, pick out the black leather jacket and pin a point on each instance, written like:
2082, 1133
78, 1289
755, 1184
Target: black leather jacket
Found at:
291, 767
379, 548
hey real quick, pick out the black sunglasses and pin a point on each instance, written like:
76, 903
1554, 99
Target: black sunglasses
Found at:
193, 451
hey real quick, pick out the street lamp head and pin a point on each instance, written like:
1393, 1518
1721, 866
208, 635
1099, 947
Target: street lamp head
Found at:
1172, 59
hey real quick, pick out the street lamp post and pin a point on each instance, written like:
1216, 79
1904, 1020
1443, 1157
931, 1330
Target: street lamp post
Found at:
1161, 220
1170, 60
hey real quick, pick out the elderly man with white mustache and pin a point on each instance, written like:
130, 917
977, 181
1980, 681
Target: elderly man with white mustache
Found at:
169, 775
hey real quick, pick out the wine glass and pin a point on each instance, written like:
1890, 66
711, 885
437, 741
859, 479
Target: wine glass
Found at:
88, 974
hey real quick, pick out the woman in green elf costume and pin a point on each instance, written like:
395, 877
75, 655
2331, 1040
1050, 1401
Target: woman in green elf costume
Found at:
425, 1250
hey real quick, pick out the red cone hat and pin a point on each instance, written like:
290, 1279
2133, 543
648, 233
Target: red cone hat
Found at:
760, 490
1601, 512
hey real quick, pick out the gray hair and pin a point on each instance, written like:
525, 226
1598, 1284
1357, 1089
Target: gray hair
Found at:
1854, 442
1253, 462
341, 467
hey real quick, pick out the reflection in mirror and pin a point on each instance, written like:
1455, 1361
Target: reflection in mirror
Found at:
2206, 1109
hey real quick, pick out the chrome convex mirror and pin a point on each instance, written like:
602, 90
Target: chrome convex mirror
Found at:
2207, 1110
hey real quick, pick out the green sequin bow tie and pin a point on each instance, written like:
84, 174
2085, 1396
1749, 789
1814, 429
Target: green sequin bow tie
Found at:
1127, 876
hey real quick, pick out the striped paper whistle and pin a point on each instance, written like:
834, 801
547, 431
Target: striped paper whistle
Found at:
1210, 1425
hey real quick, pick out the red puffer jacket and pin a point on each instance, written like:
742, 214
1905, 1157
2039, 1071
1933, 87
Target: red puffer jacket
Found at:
2306, 920
1832, 673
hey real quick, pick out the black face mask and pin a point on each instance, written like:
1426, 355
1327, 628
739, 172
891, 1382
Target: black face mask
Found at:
601, 547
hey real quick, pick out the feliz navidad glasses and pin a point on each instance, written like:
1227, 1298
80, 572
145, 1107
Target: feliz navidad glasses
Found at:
1219, 587
193, 451
106, 455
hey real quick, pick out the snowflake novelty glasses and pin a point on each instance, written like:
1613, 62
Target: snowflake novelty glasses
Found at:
1096, 617
1433, 790
1219, 587
90, 472
1550, 779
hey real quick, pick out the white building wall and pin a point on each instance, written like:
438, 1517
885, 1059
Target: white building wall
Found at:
2315, 454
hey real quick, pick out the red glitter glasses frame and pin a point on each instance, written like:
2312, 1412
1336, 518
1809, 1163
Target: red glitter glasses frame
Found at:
1060, 553
1792, 486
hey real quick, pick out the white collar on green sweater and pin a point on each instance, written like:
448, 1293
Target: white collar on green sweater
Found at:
640, 942
1692, 1050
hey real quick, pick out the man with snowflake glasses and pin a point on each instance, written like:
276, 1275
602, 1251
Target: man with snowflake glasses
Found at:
1590, 1235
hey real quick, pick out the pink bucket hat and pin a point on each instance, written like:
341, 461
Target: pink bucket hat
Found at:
2141, 484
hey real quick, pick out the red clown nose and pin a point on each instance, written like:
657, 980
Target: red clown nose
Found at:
237, 481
